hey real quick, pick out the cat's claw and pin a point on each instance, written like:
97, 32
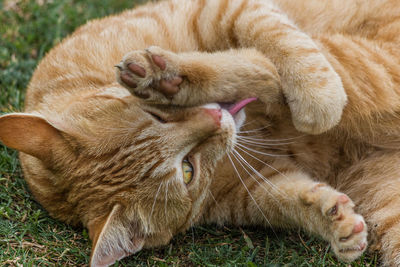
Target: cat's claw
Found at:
346, 230
149, 75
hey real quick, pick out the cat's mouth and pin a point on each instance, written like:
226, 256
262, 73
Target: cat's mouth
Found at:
234, 108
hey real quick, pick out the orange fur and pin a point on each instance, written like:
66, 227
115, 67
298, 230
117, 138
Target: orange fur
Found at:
113, 165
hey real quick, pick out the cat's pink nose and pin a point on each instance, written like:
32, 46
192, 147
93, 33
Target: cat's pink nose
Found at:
216, 114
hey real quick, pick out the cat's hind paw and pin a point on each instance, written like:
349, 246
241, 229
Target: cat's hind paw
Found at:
344, 228
348, 229
151, 74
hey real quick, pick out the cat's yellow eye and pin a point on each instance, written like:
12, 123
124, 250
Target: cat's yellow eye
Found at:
187, 170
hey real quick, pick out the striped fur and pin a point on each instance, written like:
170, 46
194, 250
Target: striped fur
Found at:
94, 155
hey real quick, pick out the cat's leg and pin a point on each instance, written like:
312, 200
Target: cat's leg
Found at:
374, 185
289, 199
195, 78
313, 90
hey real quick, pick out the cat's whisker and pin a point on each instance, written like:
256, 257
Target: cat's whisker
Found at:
241, 158
263, 143
268, 165
274, 148
259, 152
260, 176
257, 137
269, 140
216, 202
246, 144
248, 123
241, 161
166, 199
254, 130
248, 191
155, 199
263, 140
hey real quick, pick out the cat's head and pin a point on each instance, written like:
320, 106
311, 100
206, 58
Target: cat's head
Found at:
133, 174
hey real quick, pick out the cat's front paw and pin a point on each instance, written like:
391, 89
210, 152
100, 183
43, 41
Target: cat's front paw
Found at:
316, 98
345, 229
151, 74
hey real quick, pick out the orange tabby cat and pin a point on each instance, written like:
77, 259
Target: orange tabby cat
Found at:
137, 170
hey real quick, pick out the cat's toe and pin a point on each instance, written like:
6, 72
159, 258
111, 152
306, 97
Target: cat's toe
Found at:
158, 61
166, 64
151, 74
137, 70
350, 247
135, 73
128, 80
348, 230
170, 87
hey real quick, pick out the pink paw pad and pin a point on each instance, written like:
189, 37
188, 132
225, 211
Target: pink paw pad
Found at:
170, 87
343, 199
316, 187
136, 69
358, 228
159, 61
126, 78
362, 246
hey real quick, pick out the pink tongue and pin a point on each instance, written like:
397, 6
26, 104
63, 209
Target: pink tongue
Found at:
238, 106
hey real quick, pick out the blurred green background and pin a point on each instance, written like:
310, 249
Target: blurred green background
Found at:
29, 237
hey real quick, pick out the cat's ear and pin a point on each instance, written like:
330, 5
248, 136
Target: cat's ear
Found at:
113, 239
28, 133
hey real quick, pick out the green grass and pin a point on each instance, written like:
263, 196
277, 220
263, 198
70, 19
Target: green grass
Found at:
28, 236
